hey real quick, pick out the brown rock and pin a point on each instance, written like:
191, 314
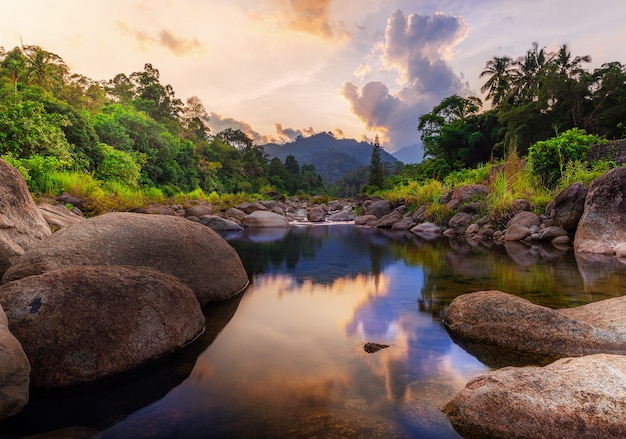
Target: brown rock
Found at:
494, 318
235, 213
188, 250
459, 222
248, 208
379, 208
549, 233
80, 324
525, 219
219, 224
21, 223
199, 210
568, 206
14, 372
366, 220
58, 216
387, 221
572, 397
316, 214
603, 223
265, 219
516, 232
465, 194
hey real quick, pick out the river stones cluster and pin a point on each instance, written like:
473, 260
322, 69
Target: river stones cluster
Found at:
583, 393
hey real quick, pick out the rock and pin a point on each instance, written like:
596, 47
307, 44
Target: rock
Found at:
603, 223
188, 250
520, 205
235, 213
497, 319
21, 224
568, 206
80, 324
316, 214
620, 250
549, 233
66, 198
248, 208
561, 240
387, 221
403, 225
344, 215
219, 224
265, 219
473, 208
379, 208
459, 222
516, 232
58, 216
418, 215
366, 220
426, 228
370, 348
573, 397
472, 229
14, 372
525, 219
199, 210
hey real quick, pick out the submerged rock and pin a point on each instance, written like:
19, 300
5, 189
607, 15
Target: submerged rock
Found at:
572, 397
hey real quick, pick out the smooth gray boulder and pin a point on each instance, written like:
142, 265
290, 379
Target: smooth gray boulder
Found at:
188, 250
568, 206
83, 323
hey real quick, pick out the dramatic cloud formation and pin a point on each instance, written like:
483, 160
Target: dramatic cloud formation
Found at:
165, 38
311, 16
416, 48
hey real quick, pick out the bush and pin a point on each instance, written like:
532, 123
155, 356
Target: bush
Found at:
549, 157
118, 166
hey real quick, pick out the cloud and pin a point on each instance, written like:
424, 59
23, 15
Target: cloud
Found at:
311, 16
165, 38
415, 49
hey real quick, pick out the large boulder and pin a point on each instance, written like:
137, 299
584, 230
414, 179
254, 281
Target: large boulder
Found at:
603, 223
568, 206
525, 219
507, 322
21, 223
186, 249
379, 208
572, 397
219, 224
265, 219
316, 214
14, 372
80, 324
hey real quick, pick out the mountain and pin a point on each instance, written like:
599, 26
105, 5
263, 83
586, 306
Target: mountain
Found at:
410, 154
332, 157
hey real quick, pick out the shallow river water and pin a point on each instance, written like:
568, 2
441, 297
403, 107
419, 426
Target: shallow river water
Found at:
286, 358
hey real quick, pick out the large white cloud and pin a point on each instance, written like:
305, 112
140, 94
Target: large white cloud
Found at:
416, 49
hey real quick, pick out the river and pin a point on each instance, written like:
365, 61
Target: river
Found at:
286, 358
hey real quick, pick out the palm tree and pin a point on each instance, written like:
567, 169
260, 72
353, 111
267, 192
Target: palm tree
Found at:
498, 86
528, 77
44, 68
566, 65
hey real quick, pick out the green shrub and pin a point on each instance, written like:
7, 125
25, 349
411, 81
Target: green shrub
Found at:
118, 166
578, 171
549, 157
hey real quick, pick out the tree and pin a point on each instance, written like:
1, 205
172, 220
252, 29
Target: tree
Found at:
500, 82
376, 175
43, 68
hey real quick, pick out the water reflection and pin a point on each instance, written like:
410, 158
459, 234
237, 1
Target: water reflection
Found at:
291, 363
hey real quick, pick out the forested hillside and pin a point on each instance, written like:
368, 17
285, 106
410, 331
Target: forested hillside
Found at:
333, 158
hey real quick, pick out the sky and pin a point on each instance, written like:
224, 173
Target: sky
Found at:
277, 69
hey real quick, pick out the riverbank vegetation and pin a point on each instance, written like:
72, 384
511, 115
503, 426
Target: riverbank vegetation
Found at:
129, 141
